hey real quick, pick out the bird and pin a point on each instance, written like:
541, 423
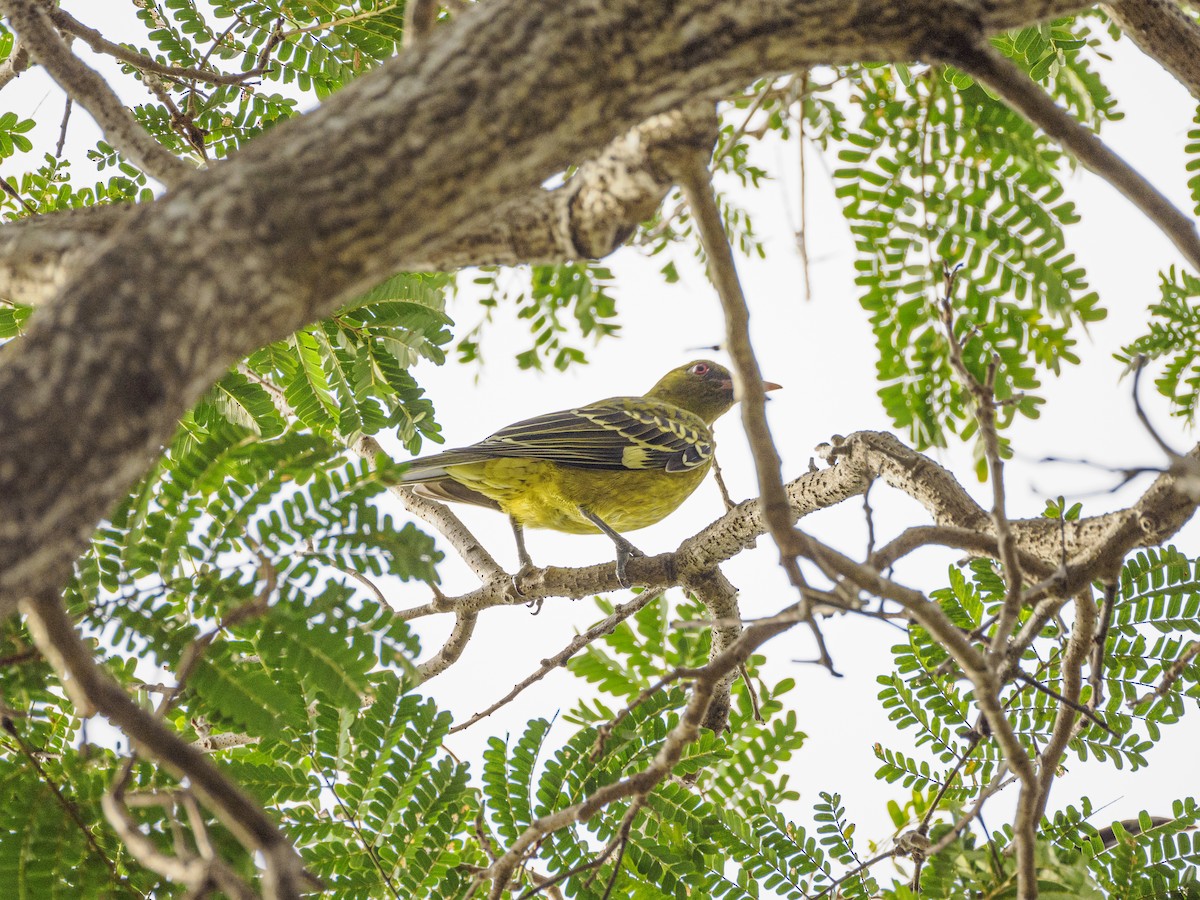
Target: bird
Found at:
609, 467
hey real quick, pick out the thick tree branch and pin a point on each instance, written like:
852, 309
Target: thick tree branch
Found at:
82, 84
1164, 32
39, 253
588, 217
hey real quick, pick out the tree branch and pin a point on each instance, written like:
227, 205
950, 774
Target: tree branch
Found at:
39, 253
18, 61
92, 691
1097, 542
588, 217
92, 92
1002, 76
98, 42
694, 179
1078, 649
1164, 32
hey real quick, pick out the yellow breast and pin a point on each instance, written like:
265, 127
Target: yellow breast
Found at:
540, 494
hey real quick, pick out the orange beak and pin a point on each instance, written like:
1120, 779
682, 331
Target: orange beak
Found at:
771, 386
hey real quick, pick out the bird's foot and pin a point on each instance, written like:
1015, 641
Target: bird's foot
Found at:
521, 575
517, 577
625, 552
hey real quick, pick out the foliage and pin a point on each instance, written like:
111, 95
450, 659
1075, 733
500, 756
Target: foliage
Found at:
1174, 335
256, 544
578, 292
921, 198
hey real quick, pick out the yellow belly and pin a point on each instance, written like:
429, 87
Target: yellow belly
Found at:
546, 495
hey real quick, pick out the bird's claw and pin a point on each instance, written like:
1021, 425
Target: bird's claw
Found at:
527, 569
626, 552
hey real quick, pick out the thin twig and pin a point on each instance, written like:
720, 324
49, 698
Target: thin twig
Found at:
62, 128
367, 843
143, 63
1170, 676
869, 514
802, 225
1100, 646
605, 730
1089, 714
692, 172
974, 742
998, 783
751, 693
725, 498
866, 864
1066, 724
619, 615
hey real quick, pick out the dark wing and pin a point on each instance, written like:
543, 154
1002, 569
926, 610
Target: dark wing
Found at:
616, 434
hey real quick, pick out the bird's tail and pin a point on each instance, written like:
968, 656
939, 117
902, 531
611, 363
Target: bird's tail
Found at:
429, 478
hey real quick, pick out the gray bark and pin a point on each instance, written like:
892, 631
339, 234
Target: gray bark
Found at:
1165, 32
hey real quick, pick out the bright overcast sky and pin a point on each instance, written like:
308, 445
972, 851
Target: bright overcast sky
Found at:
821, 351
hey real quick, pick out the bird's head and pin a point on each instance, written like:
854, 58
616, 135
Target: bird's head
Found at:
702, 387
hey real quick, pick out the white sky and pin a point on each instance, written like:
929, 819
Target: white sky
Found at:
822, 352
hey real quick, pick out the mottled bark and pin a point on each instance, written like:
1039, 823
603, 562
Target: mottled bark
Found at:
38, 254
1165, 32
588, 217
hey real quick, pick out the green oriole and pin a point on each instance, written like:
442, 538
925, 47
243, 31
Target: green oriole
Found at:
614, 465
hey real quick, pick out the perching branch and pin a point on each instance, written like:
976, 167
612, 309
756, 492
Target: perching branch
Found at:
859, 459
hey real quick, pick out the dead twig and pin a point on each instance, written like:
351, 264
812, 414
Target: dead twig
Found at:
620, 614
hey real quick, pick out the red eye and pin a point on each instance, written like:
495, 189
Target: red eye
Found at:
700, 369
